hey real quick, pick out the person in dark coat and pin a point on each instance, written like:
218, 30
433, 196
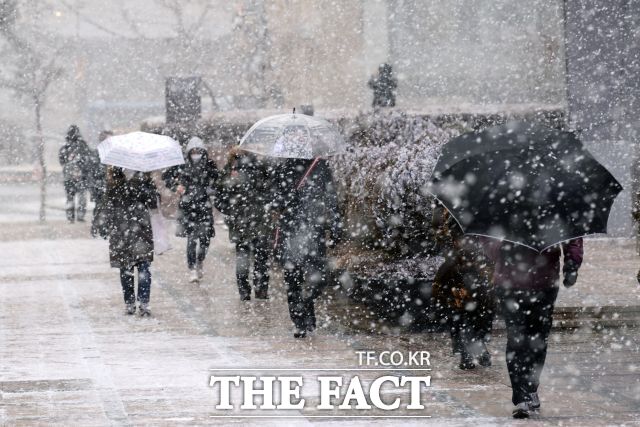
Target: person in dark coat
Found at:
526, 287
129, 198
307, 201
75, 159
243, 194
384, 87
195, 182
463, 290
97, 182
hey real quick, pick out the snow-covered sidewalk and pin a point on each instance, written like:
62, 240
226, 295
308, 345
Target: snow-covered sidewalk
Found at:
71, 356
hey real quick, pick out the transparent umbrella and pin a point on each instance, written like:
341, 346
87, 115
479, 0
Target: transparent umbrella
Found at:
295, 136
140, 151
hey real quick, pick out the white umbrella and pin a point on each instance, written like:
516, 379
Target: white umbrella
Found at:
140, 151
293, 136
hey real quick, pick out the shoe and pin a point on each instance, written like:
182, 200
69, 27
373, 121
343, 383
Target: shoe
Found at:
199, 271
262, 294
245, 296
535, 401
194, 277
299, 333
521, 411
80, 219
485, 359
466, 362
130, 308
144, 309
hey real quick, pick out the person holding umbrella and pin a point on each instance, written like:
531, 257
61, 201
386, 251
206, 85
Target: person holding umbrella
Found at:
129, 198
305, 200
194, 182
531, 192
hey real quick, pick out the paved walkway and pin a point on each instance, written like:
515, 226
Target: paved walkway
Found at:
69, 356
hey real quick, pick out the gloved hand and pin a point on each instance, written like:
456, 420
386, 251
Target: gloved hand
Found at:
570, 271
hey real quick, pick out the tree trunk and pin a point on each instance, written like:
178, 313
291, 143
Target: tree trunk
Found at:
41, 160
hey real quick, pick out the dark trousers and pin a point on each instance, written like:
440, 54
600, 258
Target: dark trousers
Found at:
528, 317
260, 250
72, 191
471, 320
304, 284
144, 283
197, 247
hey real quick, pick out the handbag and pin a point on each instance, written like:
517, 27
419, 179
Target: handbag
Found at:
159, 227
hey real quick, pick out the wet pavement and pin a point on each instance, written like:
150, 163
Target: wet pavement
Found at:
70, 356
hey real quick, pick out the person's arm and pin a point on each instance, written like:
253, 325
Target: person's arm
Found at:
573, 251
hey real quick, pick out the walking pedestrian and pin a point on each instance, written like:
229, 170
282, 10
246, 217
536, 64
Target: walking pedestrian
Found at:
384, 87
75, 159
526, 284
129, 198
307, 202
463, 291
195, 182
97, 183
243, 194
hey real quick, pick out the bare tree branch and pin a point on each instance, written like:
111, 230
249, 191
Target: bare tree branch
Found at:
86, 18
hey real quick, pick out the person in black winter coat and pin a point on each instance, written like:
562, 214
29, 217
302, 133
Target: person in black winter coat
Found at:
307, 201
75, 159
97, 182
195, 182
243, 195
384, 87
129, 198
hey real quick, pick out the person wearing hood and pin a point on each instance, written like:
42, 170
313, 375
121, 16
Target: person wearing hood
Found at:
75, 159
128, 200
194, 182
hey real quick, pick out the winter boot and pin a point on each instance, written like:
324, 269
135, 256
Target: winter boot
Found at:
521, 411
466, 361
262, 294
535, 401
144, 309
299, 333
130, 308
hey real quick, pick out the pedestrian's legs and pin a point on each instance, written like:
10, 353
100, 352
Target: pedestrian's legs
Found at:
82, 204
261, 267
144, 282
192, 243
128, 288
294, 281
70, 208
243, 251
203, 248
528, 317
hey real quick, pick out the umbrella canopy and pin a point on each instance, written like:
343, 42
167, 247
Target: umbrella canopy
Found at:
524, 182
140, 151
296, 136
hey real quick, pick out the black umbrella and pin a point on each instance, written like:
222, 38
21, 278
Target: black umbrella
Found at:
525, 183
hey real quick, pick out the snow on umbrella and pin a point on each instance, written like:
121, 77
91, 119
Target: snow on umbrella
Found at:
295, 136
525, 183
140, 151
